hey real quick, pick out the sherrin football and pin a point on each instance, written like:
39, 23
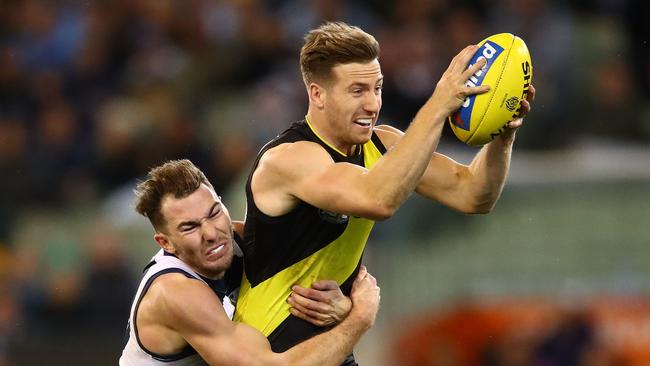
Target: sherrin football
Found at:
508, 72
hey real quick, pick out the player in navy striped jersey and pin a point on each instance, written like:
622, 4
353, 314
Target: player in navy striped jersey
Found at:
178, 317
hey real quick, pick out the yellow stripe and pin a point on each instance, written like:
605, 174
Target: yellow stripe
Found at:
370, 154
265, 307
322, 139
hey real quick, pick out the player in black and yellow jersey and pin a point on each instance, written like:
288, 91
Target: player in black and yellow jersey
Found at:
181, 315
315, 190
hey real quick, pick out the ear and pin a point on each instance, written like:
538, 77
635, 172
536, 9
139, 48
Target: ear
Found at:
317, 95
164, 243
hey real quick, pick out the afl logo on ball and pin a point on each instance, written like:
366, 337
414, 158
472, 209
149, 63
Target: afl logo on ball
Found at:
511, 103
333, 217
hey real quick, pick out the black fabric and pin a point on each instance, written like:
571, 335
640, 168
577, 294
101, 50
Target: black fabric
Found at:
272, 244
293, 331
263, 257
233, 276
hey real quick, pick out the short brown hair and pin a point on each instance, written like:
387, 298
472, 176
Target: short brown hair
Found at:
332, 44
179, 178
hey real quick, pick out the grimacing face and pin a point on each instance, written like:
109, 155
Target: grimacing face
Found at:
353, 101
198, 231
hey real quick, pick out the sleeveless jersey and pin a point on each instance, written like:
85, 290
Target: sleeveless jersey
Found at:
303, 246
134, 353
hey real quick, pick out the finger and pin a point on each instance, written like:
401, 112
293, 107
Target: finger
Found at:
524, 108
308, 303
324, 296
306, 292
474, 68
307, 311
371, 279
325, 285
471, 90
462, 60
531, 93
515, 123
305, 317
363, 271
459, 62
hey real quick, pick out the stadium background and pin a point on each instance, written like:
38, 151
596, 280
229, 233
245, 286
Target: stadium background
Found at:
94, 93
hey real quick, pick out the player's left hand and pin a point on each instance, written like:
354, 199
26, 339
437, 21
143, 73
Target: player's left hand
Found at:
523, 111
323, 304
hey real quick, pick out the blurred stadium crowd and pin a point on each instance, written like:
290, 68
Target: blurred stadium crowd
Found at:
94, 93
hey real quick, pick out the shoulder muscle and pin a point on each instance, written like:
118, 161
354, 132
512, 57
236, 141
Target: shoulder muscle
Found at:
280, 169
187, 305
388, 135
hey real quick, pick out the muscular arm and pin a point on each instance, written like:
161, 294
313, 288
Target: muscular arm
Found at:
304, 171
178, 310
470, 189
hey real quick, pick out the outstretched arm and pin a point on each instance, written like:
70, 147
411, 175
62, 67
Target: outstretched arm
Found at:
474, 188
303, 171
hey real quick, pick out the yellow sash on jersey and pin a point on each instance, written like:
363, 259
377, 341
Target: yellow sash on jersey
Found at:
265, 306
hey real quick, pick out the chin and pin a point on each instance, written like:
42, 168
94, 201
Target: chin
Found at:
362, 139
217, 269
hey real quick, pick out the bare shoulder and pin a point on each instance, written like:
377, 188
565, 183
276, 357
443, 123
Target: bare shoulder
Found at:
192, 314
293, 158
388, 135
185, 302
281, 172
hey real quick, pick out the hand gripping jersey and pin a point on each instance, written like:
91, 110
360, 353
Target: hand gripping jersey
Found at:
134, 353
303, 246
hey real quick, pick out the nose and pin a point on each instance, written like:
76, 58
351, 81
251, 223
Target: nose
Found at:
209, 231
372, 103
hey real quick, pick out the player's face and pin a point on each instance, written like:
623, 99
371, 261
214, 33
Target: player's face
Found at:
199, 231
353, 101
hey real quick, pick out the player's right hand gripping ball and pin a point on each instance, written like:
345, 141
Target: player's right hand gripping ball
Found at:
508, 72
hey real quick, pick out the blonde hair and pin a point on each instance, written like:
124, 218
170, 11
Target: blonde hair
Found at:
332, 44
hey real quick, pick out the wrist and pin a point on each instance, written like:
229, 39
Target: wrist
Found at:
359, 319
344, 309
432, 109
508, 136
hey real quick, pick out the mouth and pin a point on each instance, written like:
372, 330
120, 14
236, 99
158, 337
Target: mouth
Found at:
216, 250
363, 122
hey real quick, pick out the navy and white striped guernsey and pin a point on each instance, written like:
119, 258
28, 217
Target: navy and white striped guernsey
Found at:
134, 352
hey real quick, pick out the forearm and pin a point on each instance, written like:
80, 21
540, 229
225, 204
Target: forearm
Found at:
329, 348
397, 173
489, 170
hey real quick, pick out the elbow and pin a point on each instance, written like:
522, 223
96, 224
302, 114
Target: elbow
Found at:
381, 215
383, 211
378, 210
474, 205
480, 207
473, 210
482, 202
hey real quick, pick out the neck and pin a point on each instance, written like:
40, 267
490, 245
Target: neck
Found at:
319, 125
211, 276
